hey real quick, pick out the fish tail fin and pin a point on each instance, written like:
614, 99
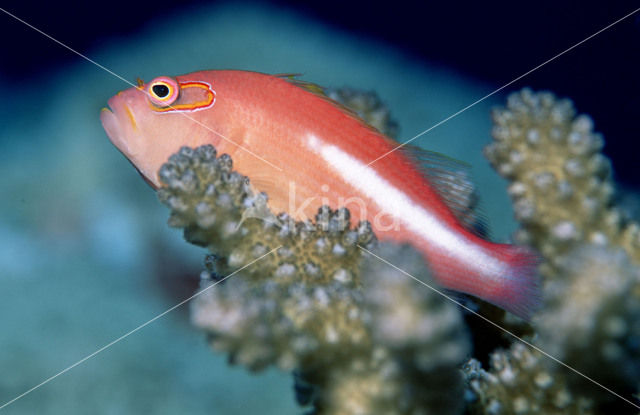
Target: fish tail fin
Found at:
520, 290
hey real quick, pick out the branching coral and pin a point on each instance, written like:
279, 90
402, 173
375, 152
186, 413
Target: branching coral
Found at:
217, 209
417, 338
560, 182
520, 382
591, 322
562, 193
309, 307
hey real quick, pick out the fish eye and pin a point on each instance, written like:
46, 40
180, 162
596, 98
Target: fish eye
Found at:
163, 91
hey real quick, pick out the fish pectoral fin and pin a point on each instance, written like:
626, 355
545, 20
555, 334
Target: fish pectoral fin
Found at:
264, 184
451, 179
277, 194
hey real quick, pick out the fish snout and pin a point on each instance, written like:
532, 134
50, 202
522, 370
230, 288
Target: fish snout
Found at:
112, 123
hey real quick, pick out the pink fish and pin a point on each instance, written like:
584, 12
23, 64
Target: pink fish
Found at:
305, 150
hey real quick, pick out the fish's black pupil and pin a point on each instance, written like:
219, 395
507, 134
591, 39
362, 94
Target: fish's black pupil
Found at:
161, 91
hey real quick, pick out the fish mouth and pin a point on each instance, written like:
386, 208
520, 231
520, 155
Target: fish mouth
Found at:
113, 126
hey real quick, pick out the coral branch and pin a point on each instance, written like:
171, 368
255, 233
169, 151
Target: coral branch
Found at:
560, 182
562, 191
520, 382
360, 338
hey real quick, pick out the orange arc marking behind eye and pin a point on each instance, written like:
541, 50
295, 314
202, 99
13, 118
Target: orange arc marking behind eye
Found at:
207, 102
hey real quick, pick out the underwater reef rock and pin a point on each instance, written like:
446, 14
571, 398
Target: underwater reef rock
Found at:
358, 334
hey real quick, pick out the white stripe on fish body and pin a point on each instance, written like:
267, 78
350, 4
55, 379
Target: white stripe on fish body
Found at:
415, 217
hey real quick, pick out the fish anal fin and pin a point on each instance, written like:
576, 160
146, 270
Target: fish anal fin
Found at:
451, 179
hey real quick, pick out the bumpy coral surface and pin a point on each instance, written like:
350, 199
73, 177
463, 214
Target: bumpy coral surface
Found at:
560, 182
418, 341
360, 336
562, 190
211, 202
217, 208
520, 382
590, 321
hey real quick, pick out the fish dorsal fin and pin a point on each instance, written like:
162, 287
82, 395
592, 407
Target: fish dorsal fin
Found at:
451, 179
309, 86
319, 92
